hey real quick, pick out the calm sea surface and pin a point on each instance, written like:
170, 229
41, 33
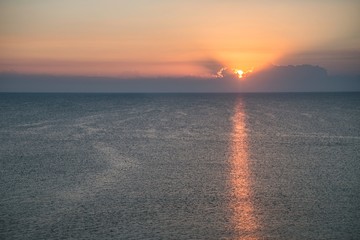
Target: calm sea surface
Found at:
180, 166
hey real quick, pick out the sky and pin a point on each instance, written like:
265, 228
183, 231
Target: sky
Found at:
168, 38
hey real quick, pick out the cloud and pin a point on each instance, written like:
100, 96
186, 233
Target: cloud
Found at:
299, 78
217, 69
211, 66
10, 82
342, 61
227, 73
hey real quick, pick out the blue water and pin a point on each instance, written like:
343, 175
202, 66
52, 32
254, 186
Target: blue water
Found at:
180, 166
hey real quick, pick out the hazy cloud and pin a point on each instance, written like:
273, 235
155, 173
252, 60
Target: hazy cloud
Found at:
300, 78
212, 66
337, 61
288, 78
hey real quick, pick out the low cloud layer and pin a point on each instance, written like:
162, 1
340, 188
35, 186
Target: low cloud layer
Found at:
334, 60
301, 78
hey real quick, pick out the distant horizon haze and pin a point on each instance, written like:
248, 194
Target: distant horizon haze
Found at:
300, 78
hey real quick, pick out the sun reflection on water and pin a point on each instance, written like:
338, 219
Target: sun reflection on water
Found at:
243, 219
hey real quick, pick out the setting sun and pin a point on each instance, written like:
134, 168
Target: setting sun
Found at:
239, 72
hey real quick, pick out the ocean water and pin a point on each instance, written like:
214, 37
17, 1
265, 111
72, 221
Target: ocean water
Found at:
180, 166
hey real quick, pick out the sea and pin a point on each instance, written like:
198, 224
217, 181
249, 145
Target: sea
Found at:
180, 166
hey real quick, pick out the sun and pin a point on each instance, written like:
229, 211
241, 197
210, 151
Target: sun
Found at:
239, 73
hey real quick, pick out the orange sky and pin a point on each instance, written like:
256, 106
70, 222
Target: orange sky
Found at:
176, 38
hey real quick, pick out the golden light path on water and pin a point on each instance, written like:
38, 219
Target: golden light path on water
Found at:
243, 218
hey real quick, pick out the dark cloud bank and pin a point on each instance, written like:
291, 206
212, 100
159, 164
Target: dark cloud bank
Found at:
301, 78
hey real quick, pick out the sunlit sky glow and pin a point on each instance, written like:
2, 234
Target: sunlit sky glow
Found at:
176, 38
